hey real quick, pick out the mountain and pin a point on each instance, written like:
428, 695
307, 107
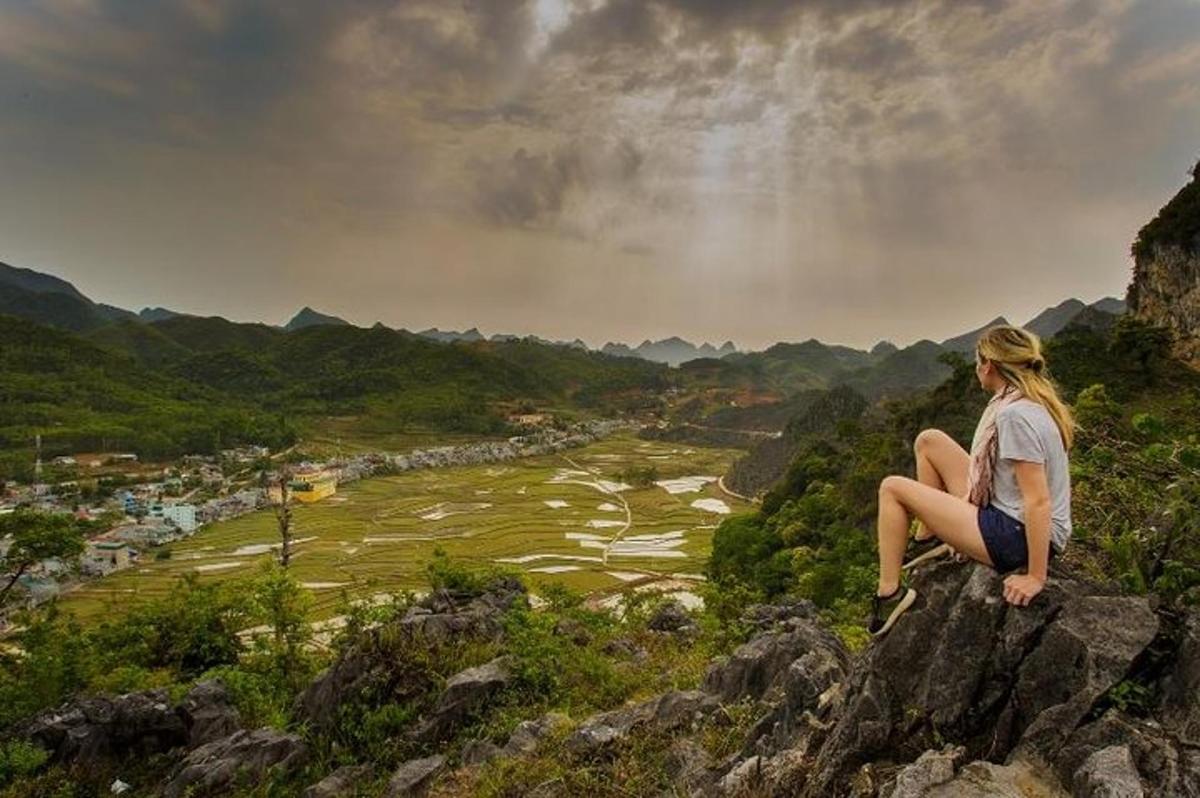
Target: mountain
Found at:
50, 300
672, 351
37, 282
1110, 304
307, 317
446, 336
1051, 321
156, 314
966, 342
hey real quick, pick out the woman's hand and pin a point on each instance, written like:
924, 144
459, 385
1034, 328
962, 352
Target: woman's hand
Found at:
1019, 589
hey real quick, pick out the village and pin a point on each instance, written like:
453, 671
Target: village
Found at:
138, 509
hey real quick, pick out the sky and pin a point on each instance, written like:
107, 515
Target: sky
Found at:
610, 170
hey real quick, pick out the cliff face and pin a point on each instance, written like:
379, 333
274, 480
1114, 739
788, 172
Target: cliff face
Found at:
1166, 276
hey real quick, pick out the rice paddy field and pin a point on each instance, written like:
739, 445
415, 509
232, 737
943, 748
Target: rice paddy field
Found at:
564, 517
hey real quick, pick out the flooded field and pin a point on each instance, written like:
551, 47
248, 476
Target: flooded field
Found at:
566, 517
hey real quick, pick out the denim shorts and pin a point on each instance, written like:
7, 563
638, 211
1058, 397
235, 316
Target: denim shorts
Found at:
1004, 538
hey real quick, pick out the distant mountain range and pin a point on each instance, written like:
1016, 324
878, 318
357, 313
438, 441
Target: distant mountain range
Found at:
50, 300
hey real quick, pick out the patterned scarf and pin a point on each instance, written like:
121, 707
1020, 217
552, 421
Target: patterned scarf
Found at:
985, 447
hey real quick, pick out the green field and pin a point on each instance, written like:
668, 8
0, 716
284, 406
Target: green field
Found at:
376, 535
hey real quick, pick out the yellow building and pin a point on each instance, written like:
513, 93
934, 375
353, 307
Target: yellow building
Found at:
309, 487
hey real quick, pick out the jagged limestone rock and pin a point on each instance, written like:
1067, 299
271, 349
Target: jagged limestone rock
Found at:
931, 769
1108, 773
413, 778
966, 667
465, 692
370, 669
341, 783
242, 758
89, 729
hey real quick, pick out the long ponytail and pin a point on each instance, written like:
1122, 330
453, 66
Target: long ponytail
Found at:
1017, 355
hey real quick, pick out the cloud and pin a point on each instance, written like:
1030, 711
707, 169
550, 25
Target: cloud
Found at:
863, 149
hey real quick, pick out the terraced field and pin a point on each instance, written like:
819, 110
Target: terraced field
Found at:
559, 517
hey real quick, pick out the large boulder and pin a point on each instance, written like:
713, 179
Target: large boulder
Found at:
1108, 773
341, 783
375, 669
414, 777
799, 658
671, 616
88, 729
465, 692
965, 667
670, 711
242, 758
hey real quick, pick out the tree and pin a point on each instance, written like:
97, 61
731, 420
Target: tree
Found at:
283, 514
36, 536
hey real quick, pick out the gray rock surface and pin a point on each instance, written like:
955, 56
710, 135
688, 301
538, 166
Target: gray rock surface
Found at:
965, 667
373, 668
242, 758
465, 693
1108, 773
931, 769
341, 783
674, 710
671, 616
414, 777
89, 729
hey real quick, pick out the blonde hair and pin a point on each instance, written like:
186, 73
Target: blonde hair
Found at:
1017, 355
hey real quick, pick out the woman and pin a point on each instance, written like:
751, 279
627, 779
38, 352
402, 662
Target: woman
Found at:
1007, 504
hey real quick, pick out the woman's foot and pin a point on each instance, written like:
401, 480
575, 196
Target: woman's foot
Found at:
886, 610
923, 549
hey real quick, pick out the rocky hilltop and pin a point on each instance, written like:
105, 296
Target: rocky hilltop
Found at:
967, 696
1166, 275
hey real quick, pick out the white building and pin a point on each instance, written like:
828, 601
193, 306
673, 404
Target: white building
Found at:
181, 515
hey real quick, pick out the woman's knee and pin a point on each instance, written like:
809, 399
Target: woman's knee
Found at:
890, 486
928, 439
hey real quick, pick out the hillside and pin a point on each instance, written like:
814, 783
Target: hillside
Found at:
190, 384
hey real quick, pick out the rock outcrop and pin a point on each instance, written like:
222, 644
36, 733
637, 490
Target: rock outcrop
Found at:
978, 696
372, 671
464, 694
1166, 275
86, 730
242, 758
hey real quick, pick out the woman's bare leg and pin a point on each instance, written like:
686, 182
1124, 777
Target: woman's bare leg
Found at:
952, 519
941, 464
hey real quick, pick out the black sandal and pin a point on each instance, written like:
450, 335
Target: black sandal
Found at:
894, 605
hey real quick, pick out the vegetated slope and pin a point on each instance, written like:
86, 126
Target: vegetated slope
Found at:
186, 383
81, 396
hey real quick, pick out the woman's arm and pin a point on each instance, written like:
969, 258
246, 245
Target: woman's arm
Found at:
1035, 498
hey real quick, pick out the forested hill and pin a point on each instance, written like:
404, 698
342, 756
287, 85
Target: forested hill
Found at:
190, 384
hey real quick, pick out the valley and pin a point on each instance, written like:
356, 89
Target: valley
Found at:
561, 517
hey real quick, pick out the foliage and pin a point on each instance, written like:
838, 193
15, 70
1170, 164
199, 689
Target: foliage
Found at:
36, 536
1176, 224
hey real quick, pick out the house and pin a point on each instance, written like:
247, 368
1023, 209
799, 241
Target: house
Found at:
105, 556
312, 486
182, 516
529, 419
148, 534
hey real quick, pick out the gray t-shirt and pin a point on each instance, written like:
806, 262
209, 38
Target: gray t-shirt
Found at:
1026, 431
